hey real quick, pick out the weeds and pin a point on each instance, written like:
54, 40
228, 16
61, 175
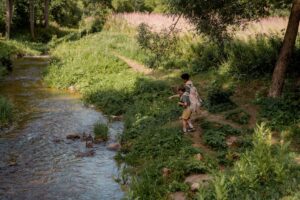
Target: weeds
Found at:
6, 112
238, 116
101, 131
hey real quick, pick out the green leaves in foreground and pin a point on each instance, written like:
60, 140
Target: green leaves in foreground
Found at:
265, 172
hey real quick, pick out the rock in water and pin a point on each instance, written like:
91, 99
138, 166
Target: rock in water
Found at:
72, 89
73, 137
114, 147
90, 153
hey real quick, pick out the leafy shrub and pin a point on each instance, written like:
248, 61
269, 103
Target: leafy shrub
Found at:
93, 20
101, 131
158, 45
215, 134
280, 113
6, 112
218, 99
205, 56
264, 172
239, 116
253, 58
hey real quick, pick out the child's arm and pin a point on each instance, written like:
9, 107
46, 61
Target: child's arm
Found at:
174, 96
184, 104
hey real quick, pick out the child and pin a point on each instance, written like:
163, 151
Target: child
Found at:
187, 112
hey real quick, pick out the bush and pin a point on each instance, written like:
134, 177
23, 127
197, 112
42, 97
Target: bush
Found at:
101, 131
6, 112
93, 20
215, 134
254, 58
238, 116
159, 45
264, 172
280, 113
218, 99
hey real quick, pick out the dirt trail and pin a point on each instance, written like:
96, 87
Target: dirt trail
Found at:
135, 65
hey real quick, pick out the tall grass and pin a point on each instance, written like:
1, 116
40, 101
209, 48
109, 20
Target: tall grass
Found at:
6, 112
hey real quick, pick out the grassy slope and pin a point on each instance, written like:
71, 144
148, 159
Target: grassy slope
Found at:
151, 141
9, 48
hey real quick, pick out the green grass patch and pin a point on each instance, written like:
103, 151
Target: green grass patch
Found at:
101, 131
6, 112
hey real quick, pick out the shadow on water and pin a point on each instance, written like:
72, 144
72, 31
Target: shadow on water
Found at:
37, 162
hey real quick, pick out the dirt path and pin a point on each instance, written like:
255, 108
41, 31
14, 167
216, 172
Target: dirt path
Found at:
135, 65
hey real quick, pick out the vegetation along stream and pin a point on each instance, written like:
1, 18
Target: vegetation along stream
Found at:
37, 161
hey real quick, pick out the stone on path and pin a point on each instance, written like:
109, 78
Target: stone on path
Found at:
198, 180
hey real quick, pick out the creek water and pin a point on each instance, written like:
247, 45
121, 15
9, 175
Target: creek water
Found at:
36, 159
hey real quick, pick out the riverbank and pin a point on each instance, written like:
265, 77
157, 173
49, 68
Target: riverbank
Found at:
159, 158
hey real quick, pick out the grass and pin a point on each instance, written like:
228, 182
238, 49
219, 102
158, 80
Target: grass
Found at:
101, 131
151, 141
6, 112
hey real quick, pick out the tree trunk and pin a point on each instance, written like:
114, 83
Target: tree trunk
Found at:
286, 51
8, 19
31, 18
46, 14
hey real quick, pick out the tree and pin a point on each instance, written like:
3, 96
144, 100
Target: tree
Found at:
46, 13
31, 18
9, 14
286, 51
213, 18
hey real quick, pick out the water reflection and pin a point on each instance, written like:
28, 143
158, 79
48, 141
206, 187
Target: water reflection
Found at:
36, 161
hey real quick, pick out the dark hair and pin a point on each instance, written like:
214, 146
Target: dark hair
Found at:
181, 88
185, 76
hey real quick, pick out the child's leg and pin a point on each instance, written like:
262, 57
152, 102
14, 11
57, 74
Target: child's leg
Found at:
190, 123
184, 125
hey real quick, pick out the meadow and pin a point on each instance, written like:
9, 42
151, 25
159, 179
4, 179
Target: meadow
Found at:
233, 83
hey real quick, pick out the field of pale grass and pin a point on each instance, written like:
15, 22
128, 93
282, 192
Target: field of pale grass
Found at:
265, 26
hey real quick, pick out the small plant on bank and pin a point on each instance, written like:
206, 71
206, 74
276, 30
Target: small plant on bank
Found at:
238, 116
218, 99
6, 112
101, 131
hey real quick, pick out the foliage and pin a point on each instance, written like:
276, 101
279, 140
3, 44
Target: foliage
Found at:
213, 18
101, 131
6, 112
218, 99
158, 45
94, 16
264, 172
238, 116
215, 134
138, 5
280, 113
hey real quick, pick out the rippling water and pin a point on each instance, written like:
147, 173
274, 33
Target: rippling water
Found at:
36, 160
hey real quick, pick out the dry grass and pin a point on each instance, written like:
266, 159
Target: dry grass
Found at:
157, 21
265, 26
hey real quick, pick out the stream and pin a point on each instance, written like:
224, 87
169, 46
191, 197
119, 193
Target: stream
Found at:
37, 162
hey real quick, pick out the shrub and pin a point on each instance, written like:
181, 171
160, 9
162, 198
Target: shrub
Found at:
159, 45
238, 116
253, 58
6, 112
101, 131
215, 134
264, 172
280, 113
218, 99
93, 20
